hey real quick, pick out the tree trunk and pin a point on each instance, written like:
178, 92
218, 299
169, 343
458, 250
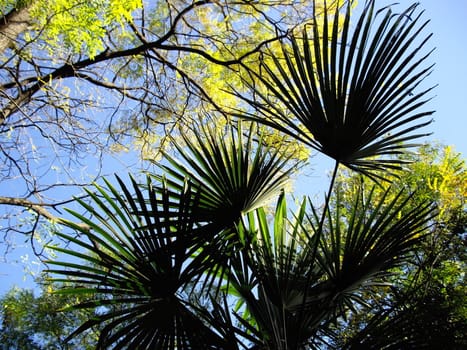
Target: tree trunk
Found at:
12, 24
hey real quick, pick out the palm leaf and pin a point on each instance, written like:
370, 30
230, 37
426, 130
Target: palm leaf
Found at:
234, 173
134, 260
271, 281
294, 285
349, 94
358, 251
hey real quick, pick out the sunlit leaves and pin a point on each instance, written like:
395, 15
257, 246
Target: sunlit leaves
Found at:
80, 26
434, 172
36, 321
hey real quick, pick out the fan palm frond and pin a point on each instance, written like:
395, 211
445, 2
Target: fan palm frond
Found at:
234, 173
133, 260
359, 251
271, 281
349, 93
298, 281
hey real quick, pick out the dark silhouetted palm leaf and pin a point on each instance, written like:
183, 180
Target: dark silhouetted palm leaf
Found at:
134, 261
349, 93
234, 173
359, 250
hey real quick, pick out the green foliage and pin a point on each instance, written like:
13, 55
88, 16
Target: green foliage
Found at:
37, 322
9, 5
162, 58
427, 306
80, 26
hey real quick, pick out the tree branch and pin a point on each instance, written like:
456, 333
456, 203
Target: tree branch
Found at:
70, 69
38, 208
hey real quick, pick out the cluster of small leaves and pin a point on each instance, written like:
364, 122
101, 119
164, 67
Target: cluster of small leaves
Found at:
78, 26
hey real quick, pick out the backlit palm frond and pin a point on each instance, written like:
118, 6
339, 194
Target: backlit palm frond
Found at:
234, 173
133, 259
349, 91
359, 250
271, 281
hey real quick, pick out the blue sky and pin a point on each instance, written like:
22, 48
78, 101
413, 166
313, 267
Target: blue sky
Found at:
449, 26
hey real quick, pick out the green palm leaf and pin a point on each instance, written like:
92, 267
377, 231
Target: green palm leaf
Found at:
234, 173
359, 250
349, 93
134, 260
294, 282
271, 281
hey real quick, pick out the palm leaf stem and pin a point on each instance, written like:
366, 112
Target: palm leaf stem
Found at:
316, 239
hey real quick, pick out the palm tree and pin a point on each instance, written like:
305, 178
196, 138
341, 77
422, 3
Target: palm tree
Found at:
191, 259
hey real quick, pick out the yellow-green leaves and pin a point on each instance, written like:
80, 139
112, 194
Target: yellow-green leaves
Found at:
80, 26
447, 178
435, 173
